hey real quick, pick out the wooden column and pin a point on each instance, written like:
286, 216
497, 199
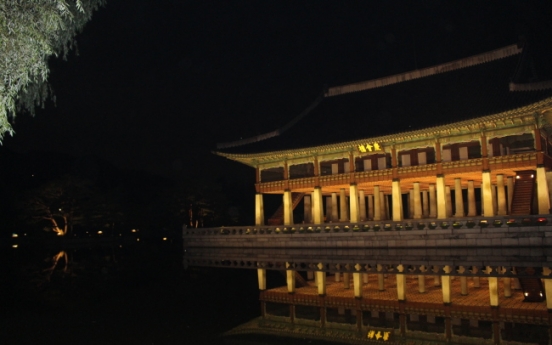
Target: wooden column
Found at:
417, 201
353, 203
377, 203
458, 199
288, 208
471, 200
432, 202
259, 209
486, 194
397, 200
318, 209
362, 205
441, 197
343, 212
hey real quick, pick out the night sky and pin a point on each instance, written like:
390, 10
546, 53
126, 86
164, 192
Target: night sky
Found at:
156, 84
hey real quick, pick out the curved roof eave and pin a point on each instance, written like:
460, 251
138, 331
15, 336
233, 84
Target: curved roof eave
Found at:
253, 159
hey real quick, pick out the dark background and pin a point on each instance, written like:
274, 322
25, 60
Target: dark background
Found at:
156, 84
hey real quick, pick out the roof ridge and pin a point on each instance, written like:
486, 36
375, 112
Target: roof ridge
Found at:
473, 60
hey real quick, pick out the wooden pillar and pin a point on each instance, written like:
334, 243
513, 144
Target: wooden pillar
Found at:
471, 200
343, 211
353, 203
307, 209
441, 197
397, 200
288, 208
337, 277
417, 201
421, 283
357, 283
370, 199
318, 208
464, 286
493, 291
261, 277
507, 284
486, 194
458, 199
321, 278
346, 280
432, 202
446, 288
542, 191
259, 209
290, 279
401, 286
449, 201
425, 204
510, 187
377, 203
362, 205
335, 212
501, 195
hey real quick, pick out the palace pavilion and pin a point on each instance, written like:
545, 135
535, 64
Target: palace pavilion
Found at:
415, 209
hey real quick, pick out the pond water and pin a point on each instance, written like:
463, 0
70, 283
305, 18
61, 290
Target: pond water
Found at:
119, 293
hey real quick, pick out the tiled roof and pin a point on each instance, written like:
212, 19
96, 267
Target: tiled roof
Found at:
436, 99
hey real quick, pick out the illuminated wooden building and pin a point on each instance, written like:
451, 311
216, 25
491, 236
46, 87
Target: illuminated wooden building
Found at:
374, 151
466, 142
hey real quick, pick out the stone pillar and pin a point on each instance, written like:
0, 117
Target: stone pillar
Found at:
362, 205
357, 283
321, 278
377, 203
346, 280
425, 203
288, 208
449, 201
441, 197
353, 203
261, 277
417, 201
307, 209
493, 291
343, 211
472, 212
542, 191
432, 202
486, 194
501, 195
370, 207
397, 200
335, 216
463, 286
259, 209
458, 199
290, 279
507, 284
510, 186
318, 207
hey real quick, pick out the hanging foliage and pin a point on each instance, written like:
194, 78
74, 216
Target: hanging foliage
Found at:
30, 32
